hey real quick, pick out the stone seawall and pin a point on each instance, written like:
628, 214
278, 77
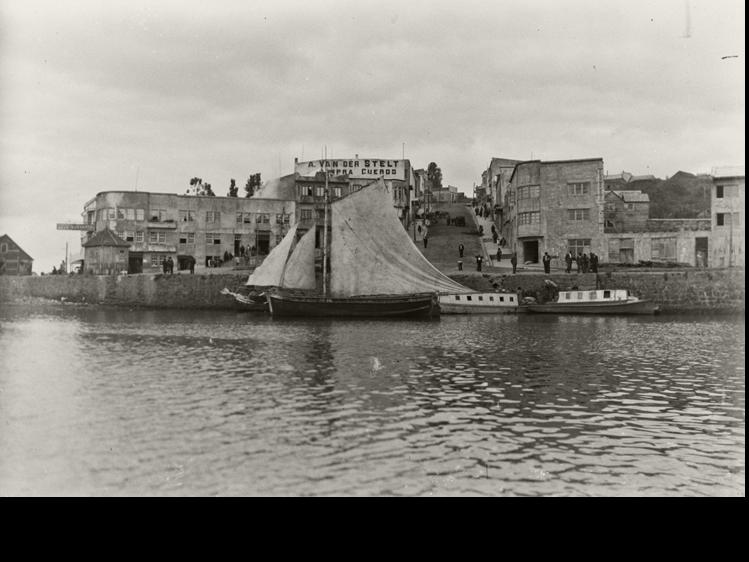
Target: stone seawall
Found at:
153, 291
693, 290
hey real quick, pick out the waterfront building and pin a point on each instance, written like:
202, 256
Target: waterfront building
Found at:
727, 206
158, 225
106, 253
554, 207
13, 260
625, 210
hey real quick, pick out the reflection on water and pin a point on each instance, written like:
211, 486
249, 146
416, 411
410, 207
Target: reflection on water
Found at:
118, 402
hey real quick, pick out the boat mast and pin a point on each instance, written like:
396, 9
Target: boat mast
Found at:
325, 230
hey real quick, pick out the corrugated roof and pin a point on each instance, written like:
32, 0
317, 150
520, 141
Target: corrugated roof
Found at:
105, 238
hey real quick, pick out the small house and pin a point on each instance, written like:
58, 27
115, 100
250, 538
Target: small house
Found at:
13, 260
106, 254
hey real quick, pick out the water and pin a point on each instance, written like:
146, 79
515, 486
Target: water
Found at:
114, 402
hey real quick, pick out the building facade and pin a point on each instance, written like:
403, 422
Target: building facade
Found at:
554, 207
727, 206
106, 254
157, 225
625, 211
13, 260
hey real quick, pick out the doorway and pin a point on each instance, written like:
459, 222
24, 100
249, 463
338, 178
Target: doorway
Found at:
530, 251
700, 252
135, 263
263, 243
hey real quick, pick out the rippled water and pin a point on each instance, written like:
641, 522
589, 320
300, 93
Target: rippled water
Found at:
117, 402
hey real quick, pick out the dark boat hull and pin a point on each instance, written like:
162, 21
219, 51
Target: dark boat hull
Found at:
376, 306
638, 307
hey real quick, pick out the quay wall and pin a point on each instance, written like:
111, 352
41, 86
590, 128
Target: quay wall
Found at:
684, 290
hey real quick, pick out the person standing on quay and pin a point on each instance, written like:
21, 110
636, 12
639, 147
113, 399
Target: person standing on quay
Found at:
593, 262
514, 261
547, 262
499, 254
426, 237
479, 260
460, 249
568, 262
585, 262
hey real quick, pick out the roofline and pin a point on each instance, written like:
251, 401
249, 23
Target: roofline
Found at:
729, 177
186, 195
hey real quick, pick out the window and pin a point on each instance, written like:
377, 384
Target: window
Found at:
592, 295
140, 237
630, 206
186, 216
140, 214
120, 213
663, 248
607, 294
187, 238
3, 248
111, 214
129, 236
337, 192
719, 191
320, 191
356, 187
578, 214
263, 218
212, 216
130, 214
468, 298
247, 218
578, 188
306, 214
213, 238
528, 191
157, 237
481, 298
578, 246
158, 215
457, 297
529, 218
321, 215
279, 218
157, 259
720, 219
609, 223
239, 218
491, 299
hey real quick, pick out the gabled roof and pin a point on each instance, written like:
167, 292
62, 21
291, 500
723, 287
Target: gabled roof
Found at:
105, 238
6, 238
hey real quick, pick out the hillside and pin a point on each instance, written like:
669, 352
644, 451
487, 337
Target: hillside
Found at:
682, 196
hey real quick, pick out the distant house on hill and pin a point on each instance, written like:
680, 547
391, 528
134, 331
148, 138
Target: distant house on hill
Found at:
625, 210
106, 253
13, 260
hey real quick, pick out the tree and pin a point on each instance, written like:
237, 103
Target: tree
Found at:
200, 188
233, 189
253, 183
434, 175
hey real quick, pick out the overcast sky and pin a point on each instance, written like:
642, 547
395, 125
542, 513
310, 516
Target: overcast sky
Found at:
99, 96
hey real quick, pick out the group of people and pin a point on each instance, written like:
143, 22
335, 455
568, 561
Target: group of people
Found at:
583, 262
480, 259
167, 266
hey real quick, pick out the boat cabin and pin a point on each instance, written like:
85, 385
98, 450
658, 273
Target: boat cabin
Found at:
483, 298
607, 295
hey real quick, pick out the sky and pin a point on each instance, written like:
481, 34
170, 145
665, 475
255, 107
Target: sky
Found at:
124, 95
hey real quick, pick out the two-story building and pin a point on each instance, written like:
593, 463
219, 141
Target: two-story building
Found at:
13, 260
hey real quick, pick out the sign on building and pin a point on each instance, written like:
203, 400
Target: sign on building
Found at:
360, 168
72, 226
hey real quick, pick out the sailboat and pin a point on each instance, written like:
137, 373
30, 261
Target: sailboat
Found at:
375, 268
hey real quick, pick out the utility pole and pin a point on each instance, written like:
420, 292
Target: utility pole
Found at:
325, 230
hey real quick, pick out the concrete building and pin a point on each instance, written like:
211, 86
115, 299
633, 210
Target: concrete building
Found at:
157, 225
554, 207
659, 240
13, 260
727, 205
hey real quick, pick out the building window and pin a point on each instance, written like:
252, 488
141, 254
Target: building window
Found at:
158, 215
157, 237
213, 238
578, 188
140, 214
321, 215
129, 236
720, 219
630, 206
279, 218
356, 187
3, 248
337, 192
719, 191
111, 214
140, 237
578, 214
663, 248
529, 191
212, 216
239, 218
578, 246
120, 213
186, 216
306, 214
609, 223
187, 238
529, 218
157, 259
319, 191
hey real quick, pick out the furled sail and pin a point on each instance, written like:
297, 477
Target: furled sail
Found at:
371, 253
300, 269
270, 272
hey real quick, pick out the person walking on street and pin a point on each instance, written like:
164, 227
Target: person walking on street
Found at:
547, 262
460, 265
593, 262
426, 238
460, 249
192, 264
499, 254
514, 261
568, 262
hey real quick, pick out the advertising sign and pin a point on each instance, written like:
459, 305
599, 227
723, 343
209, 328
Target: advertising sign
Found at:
359, 168
71, 226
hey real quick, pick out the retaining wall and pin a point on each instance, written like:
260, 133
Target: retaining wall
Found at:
687, 290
